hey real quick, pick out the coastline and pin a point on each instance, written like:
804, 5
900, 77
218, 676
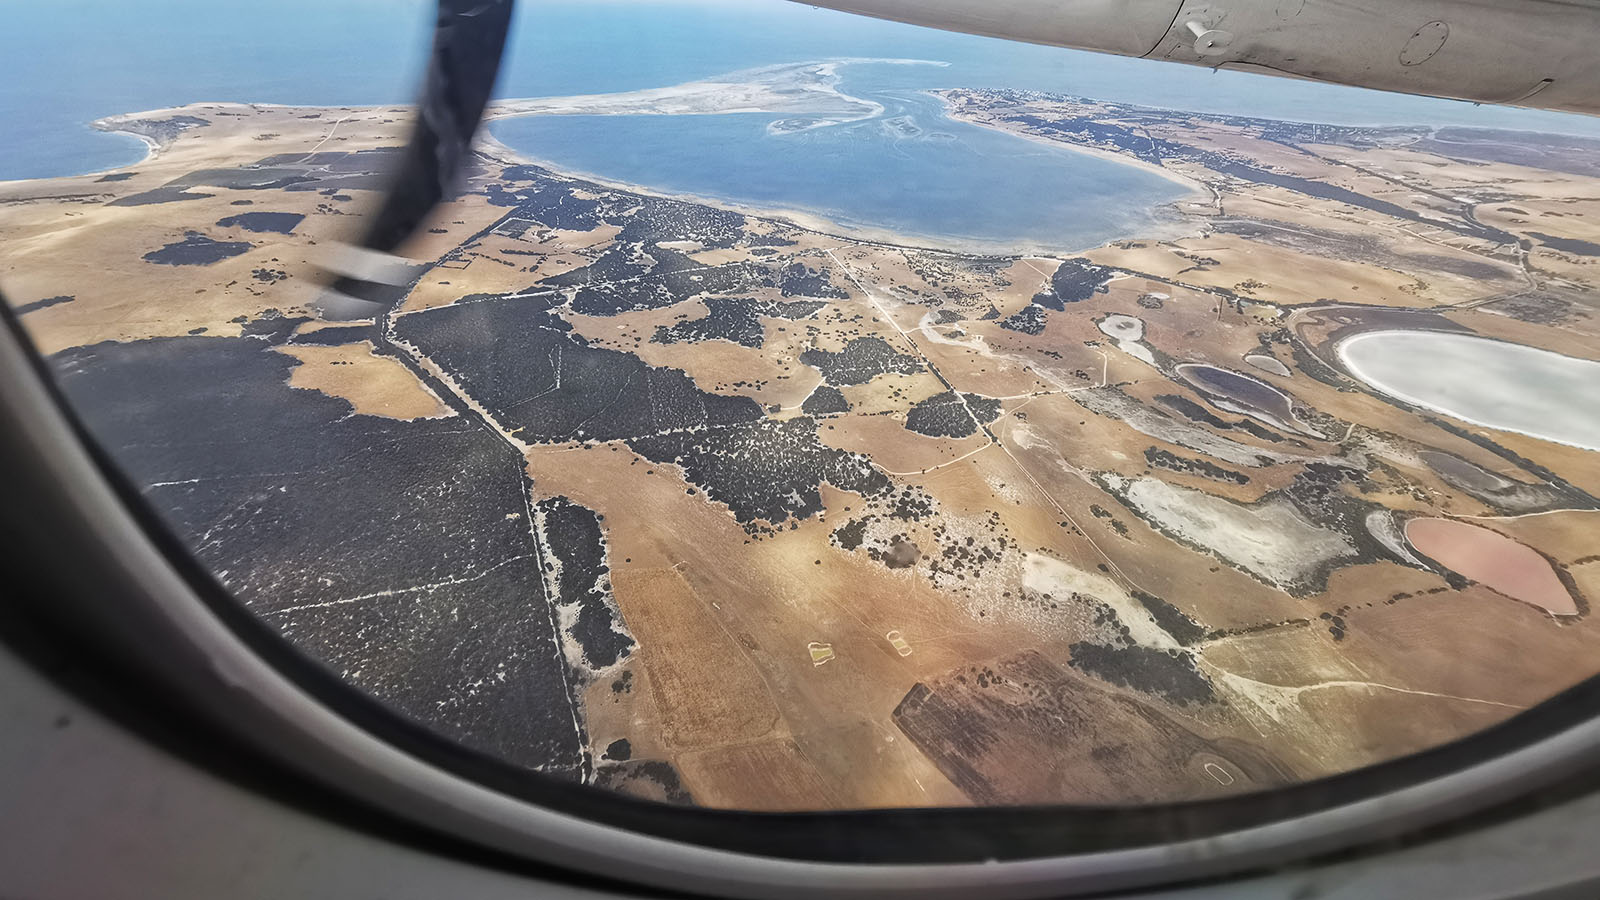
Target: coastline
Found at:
810, 92
152, 150
122, 124
155, 148
1193, 184
1165, 220
1161, 221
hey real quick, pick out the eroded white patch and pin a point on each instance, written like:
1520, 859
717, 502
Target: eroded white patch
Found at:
1271, 540
1268, 364
1122, 328
1137, 351
1382, 526
1047, 575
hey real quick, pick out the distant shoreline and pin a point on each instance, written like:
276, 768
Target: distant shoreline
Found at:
804, 90
110, 125
1193, 184
789, 90
1157, 221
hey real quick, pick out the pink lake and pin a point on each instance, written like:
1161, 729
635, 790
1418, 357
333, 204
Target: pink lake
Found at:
1493, 560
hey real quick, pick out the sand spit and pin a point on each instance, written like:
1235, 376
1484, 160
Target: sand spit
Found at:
807, 91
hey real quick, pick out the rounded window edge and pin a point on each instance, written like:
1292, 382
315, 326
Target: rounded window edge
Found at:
252, 684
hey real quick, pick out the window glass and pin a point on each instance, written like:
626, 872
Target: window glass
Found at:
794, 411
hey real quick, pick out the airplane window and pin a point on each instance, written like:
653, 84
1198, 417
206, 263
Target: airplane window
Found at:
790, 411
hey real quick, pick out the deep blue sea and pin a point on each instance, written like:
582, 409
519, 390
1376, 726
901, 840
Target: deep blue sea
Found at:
65, 63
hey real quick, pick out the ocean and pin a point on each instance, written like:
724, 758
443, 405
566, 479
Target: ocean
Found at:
67, 62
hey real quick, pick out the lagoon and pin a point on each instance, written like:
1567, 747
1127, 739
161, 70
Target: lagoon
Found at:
905, 171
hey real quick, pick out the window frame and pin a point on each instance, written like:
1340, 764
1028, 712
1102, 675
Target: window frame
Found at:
161, 613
